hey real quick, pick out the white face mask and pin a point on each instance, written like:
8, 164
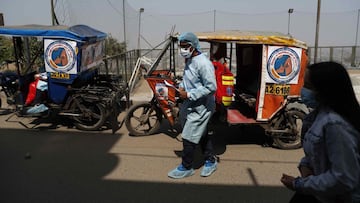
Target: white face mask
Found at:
185, 52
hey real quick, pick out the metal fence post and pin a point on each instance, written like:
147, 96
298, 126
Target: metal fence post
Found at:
331, 53
353, 56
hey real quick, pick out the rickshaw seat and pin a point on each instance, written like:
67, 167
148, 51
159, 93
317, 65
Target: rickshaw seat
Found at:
246, 98
250, 100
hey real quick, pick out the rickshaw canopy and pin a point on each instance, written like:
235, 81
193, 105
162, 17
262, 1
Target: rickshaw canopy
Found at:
251, 37
80, 33
69, 54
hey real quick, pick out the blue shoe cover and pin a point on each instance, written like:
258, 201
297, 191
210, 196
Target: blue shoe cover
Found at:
209, 168
181, 172
37, 109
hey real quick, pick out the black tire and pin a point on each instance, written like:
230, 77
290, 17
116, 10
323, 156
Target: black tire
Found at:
93, 116
287, 121
143, 119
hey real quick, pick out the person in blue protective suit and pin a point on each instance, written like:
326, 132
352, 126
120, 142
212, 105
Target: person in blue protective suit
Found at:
330, 169
197, 90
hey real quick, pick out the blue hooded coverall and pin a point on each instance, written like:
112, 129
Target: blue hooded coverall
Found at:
200, 84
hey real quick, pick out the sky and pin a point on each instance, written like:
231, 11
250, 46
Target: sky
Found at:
338, 18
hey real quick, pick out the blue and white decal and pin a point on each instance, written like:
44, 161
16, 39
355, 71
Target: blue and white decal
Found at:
60, 56
283, 65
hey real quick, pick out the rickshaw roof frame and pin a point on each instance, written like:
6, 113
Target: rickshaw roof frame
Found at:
251, 37
79, 33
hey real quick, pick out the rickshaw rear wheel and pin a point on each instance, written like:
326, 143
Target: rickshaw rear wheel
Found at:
92, 115
143, 119
291, 121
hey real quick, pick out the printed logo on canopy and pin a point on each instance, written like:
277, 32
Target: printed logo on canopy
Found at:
283, 65
60, 56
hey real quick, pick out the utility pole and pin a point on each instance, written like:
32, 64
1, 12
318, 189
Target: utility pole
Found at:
124, 25
357, 28
214, 20
52, 13
141, 10
2, 19
317, 30
290, 11
125, 57
353, 63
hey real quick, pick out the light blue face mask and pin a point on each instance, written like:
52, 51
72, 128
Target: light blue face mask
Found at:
309, 97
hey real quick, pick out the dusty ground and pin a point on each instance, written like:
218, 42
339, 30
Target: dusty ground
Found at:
46, 163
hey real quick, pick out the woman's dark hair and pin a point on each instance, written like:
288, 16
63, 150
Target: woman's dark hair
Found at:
333, 86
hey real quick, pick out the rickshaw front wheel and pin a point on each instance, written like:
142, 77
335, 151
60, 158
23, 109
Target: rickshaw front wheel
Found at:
143, 119
91, 115
290, 121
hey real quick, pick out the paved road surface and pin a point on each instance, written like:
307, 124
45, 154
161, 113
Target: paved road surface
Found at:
67, 165
51, 162
72, 166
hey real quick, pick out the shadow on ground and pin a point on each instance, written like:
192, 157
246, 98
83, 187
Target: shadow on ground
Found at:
56, 166
53, 121
225, 134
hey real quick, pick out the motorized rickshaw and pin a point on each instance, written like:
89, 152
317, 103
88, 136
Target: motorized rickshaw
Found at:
261, 87
76, 86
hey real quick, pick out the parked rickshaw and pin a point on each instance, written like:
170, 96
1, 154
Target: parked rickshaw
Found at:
77, 86
261, 87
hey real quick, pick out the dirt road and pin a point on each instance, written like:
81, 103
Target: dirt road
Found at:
50, 162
